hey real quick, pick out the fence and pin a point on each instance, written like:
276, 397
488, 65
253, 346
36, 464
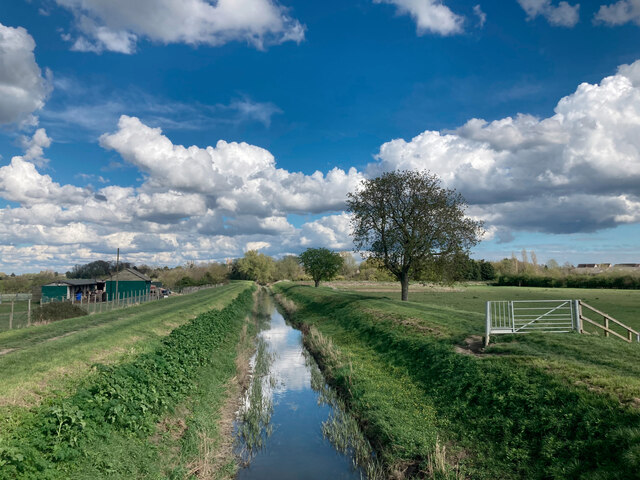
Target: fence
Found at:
550, 316
16, 311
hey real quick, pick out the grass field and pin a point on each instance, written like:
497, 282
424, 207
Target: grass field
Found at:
624, 305
5, 307
53, 357
530, 406
62, 419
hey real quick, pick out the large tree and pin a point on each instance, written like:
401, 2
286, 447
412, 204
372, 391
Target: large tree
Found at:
257, 266
321, 264
408, 220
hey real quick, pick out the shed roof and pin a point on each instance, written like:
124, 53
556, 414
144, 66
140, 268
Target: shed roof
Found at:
130, 274
73, 281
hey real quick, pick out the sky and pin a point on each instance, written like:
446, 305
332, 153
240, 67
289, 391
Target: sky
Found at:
194, 130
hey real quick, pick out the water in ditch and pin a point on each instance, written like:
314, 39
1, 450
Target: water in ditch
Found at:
280, 425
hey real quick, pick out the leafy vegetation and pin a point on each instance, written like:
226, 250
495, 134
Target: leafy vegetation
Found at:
118, 406
54, 311
617, 281
546, 407
256, 266
321, 264
408, 220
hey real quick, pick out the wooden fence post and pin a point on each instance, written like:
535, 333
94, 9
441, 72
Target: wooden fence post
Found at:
29, 313
11, 316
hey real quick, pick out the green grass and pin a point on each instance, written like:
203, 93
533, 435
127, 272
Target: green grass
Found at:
545, 407
623, 305
51, 359
5, 307
20, 316
104, 426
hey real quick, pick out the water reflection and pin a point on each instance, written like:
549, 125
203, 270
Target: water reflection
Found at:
296, 447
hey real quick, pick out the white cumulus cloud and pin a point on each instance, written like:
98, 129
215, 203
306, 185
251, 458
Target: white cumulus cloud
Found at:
23, 89
619, 13
562, 15
578, 170
431, 16
117, 25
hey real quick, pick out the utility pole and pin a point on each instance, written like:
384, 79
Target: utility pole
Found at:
117, 262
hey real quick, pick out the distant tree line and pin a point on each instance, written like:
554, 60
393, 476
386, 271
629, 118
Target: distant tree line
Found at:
97, 269
603, 280
527, 272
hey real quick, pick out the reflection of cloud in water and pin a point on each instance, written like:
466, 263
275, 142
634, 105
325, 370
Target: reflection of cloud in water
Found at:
289, 366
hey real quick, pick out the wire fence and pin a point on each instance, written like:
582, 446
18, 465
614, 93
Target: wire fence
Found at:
18, 310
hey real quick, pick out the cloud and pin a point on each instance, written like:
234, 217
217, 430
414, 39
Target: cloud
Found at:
236, 177
563, 15
34, 147
261, 112
619, 13
21, 182
197, 203
332, 231
117, 25
576, 171
482, 17
23, 90
78, 113
431, 16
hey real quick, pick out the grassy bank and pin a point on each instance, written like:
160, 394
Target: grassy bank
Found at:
531, 407
110, 424
55, 357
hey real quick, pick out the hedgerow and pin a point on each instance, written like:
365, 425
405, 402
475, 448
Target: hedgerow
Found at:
54, 311
628, 282
127, 398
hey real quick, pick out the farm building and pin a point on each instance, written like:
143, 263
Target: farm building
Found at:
592, 267
130, 283
627, 266
68, 288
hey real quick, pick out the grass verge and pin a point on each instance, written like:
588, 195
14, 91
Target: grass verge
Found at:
430, 411
103, 428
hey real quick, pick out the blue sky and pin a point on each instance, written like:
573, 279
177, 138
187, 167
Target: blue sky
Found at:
345, 88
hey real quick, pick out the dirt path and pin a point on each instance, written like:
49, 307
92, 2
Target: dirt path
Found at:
473, 345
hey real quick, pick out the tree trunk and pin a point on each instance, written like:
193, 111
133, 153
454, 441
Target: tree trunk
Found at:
404, 281
317, 283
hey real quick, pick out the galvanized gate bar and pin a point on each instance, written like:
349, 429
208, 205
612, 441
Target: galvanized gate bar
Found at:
524, 316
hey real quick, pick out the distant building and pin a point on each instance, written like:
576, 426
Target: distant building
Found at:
627, 266
592, 267
130, 283
68, 288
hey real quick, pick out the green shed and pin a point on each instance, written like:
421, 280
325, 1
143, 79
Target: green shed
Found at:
68, 288
130, 283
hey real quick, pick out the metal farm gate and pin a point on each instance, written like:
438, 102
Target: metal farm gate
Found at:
525, 316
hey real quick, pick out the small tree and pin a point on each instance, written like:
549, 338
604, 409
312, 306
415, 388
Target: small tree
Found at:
288, 268
321, 264
407, 220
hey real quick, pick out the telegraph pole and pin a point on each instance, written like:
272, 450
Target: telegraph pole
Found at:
117, 262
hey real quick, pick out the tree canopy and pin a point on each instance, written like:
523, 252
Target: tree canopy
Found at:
257, 266
97, 269
321, 263
408, 220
